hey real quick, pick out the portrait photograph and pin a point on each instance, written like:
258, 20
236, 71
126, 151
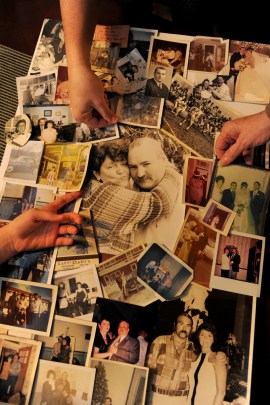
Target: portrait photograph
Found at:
158, 81
70, 341
64, 383
77, 290
37, 90
119, 281
108, 374
245, 190
18, 130
164, 272
131, 72
18, 363
27, 305
238, 263
218, 217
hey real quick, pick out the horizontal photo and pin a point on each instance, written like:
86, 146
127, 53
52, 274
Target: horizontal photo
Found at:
218, 217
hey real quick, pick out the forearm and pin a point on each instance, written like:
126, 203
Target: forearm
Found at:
7, 249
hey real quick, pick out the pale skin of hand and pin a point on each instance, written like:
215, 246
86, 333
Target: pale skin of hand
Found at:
239, 136
40, 228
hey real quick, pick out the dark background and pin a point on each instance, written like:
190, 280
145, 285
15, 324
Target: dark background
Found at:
20, 25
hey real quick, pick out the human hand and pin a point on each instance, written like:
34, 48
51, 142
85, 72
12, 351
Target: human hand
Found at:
43, 227
87, 98
239, 136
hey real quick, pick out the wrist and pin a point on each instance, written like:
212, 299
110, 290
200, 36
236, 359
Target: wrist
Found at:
267, 110
7, 249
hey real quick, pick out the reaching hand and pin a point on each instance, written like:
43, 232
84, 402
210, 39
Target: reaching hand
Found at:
43, 227
88, 101
239, 136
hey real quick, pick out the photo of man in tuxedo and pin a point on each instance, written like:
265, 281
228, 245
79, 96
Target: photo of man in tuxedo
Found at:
155, 87
235, 260
228, 196
257, 198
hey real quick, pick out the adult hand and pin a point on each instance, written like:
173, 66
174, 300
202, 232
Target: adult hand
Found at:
43, 227
87, 98
239, 136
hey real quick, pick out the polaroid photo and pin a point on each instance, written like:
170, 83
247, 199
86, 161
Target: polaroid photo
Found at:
245, 190
21, 163
195, 122
238, 263
22, 356
50, 48
62, 86
197, 178
164, 272
117, 226
83, 251
70, 341
138, 110
169, 53
112, 33
18, 130
218, 217
17, 198
159, 80
77, 291
118, 278
133, 383
195, 246
104, 55
249, 67
64, 166
95, 135
73, 384
37, 90
29, 305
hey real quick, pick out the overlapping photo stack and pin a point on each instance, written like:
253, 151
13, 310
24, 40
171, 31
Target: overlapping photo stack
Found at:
165, 230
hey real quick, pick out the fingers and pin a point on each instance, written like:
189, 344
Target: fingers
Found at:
63, 241
68, 229
230, 155
62, 201
42, 215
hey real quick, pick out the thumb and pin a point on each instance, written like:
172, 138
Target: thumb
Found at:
106, 113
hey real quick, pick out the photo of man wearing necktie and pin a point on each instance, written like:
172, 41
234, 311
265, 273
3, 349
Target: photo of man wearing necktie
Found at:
155, 87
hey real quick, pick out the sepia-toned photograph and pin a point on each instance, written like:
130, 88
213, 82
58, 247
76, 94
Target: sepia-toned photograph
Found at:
62, 86
18, 363
94, 135
164, 272
18, 130
159, 81
27, 305
70, 341
239, 263
218, 217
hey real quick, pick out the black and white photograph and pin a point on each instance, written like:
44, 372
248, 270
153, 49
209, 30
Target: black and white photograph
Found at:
197, 178
196, 246
18, 363
94, 135
27, 305
70, 341
119, 281
139, 110
64, 166
37, 90
107, 389
124, 181
18, 130
22, 162
63, 383
158, 81
104, 55
239, 263
245, 190
77, 291
164, 272
17, 198
130, 72
218, 217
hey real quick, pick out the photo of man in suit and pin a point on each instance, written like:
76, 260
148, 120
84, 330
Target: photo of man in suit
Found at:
155, 87
228, 196
124, 348
257, 198
235, 260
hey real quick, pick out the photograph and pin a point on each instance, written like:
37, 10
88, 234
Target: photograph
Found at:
108, 391
239, 259
27, 305
129, 74
77, 290
164, 272
60, 383
21, 163
104, 55
18, 363
140, 203
196, 245
218, 217
70, 341
37, 90
245, 190
159, 80
118, 278
64, 166
62, 87
94, 135
197, 178
18, 130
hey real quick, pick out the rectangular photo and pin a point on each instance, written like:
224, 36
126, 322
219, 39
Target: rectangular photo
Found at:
238, 264
94, 135
37, 90
133, 383
62, 87
119, 281
18, 362
77, 290
73, 384
218, 217
29, 305
159, 80
164, 272
104, 55
70, 341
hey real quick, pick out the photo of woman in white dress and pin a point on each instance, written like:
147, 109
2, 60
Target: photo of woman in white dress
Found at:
244, 221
